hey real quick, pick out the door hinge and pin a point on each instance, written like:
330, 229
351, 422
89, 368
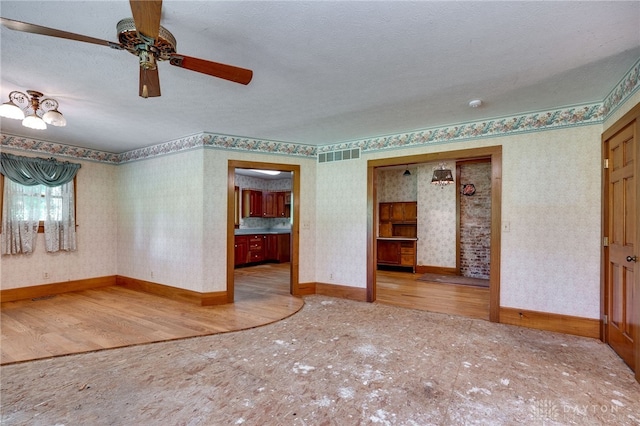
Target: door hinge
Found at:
605, 241
606, 163
605, 319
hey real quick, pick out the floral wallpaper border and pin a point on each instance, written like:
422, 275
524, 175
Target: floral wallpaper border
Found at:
530, 122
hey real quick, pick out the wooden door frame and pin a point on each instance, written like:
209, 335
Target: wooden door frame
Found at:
624, 121
295, 225
495, 154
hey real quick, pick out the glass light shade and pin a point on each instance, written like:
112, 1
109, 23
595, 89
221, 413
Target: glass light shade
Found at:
54, 117
34, 122
442, 177
11, 110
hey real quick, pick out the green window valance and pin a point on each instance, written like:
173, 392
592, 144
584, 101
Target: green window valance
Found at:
31, 171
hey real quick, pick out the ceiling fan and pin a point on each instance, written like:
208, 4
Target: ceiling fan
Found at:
144, 37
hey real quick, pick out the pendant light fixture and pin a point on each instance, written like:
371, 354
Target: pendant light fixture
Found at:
442, 176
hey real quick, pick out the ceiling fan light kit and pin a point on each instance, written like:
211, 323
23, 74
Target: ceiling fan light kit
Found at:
144, 37
34, 112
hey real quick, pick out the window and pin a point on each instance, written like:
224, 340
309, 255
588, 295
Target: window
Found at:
38, 196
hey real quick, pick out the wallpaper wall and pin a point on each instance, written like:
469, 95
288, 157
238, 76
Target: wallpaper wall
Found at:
550, 257
96, 233
161, 220
436, 219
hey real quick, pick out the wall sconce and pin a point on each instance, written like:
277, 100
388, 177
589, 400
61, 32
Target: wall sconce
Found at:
442, 176
407, 172
34, 113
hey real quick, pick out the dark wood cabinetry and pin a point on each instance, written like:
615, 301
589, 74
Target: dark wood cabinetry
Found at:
256, 248
271, 247
241, 250
398, 219
269, 206
266, 204
251, 203
397, 253
397, 231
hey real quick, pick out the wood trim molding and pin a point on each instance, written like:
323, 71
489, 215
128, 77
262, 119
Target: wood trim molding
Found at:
174, 293
358, 294
13, 294
305, 289
559, 323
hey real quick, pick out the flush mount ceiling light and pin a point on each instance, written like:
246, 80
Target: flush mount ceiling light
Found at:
476, 103
34, 112
442, 176
267, 172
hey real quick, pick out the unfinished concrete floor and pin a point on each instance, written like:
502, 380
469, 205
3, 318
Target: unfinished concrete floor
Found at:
335, 362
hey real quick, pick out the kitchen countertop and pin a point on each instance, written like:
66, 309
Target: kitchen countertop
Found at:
250, 231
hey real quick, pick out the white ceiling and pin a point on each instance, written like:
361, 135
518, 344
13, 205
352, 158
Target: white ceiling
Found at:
324, 72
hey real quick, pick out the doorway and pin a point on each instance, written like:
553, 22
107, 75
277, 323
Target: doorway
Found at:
621, 234
272, 244
490, 154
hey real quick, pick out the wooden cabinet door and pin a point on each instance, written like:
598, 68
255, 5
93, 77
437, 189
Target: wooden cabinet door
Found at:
271, 247
269, 208
397, 212
241, 250
284, 248
385, 212
251, 203
410, 212
281, 204
389, 252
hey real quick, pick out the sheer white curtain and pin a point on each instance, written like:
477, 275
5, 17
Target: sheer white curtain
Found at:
25, 206
20, 216
59, 219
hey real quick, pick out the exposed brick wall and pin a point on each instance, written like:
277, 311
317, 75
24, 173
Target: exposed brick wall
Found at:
475, 221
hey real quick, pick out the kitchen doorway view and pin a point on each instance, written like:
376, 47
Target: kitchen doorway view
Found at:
262, 226
435, 235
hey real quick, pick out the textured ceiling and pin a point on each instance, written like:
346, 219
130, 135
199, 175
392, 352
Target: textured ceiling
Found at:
324, 72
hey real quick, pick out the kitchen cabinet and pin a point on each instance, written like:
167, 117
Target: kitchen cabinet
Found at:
241, 250
266, 204
397, 219
397, 252
283, 204
256, 248
251, 203
284, 248
271, 247
269, 207
398, 212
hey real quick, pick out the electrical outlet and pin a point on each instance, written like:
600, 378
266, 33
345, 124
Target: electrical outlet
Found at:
151, 274
331, 276
46, 275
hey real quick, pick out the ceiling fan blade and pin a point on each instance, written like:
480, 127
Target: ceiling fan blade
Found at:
215, 69
149, 83
146, 14
37, 29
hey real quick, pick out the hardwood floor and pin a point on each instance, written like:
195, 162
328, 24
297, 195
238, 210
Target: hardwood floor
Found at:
404, 290
114, 316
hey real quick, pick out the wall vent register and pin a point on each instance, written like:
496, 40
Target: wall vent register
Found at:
345, 154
